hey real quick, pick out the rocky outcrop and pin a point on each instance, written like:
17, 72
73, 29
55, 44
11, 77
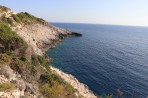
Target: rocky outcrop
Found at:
12, 94
22, 87
82, 88
76, 34
40, 37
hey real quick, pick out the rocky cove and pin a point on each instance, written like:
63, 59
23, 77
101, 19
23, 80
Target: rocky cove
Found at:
41, 41
40, 36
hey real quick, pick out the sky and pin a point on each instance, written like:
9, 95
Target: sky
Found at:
117, 12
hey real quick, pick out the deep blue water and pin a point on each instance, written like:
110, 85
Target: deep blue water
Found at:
106, 58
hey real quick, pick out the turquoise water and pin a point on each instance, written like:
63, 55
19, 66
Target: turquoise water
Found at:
106, 58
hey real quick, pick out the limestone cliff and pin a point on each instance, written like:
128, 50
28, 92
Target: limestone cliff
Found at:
39, 36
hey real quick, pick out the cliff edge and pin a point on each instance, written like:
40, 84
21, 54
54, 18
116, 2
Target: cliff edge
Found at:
25, 71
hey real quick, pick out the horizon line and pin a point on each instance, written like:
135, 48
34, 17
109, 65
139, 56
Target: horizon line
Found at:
103, 24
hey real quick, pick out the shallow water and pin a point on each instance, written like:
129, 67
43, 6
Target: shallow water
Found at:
106, 58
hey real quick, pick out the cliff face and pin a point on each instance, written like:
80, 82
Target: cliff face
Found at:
41, 37
38, 79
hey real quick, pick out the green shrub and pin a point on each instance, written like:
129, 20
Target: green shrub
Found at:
6, 20
7, 86
49, 78
23, 58
33, 70
3, 19
17, 65
10, 21
26, 18
10, 39
43, 61
16, 18
69, 89
34, 60
53, 87
4, 59
7, 34
10, 53
3, 8
52, 92
23, 67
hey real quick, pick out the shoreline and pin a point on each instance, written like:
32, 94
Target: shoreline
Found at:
42, 38
82, 89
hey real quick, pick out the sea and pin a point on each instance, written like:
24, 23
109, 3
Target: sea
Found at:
106, 58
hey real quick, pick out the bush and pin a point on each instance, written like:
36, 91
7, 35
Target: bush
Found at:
4, 59
18, 65
7, 86
3, 8
10, 21
16, 18
24, 67
33, 70
34, 60
69, 89
26, 18
55, 87
3, 19
43, 61
10, 40
6, 20
7, 34
49, 78
23, 58
52, 92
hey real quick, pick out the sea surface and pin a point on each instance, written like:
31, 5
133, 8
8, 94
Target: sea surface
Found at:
105, 58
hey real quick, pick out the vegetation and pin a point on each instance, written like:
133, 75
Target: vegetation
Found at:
42, 61
4, 59
23, 67
10, 40
7, 86
53, 86
33, 68
21, 18
26, 18
6, 20
16, 18
7, 34
3, 8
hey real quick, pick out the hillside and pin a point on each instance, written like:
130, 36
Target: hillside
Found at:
25, 71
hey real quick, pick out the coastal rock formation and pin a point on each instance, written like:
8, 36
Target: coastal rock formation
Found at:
82, 88
40, 36
7, 75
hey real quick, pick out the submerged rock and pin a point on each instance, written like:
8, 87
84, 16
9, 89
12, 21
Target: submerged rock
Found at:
76, 34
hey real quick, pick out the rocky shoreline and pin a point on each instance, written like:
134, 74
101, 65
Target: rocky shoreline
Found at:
42, 36
82, 89
34, 36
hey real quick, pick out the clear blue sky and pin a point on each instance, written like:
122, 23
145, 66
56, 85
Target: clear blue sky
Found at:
122, 12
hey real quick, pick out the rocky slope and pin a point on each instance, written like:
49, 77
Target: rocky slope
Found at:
39, 36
